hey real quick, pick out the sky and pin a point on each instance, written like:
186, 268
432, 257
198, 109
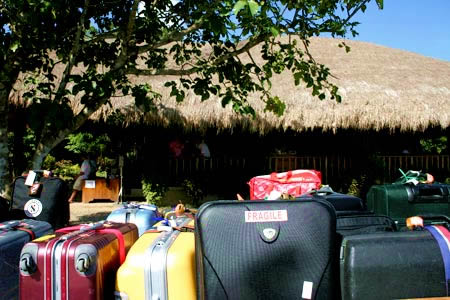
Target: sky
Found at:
420, 26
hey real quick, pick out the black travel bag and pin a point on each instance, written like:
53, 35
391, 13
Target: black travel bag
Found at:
340, 202
13, 236
395, 265
48, 201
266, 250
400, 201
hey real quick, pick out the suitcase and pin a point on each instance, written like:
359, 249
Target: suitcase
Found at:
400, 201
261, 250
160, 265
396, 265
4, 209
340, 202
144, 216
293, 183
364, 222
13, 236
49, 204
77, 262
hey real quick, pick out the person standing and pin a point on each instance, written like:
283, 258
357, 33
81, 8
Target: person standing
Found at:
204, 149
87, 171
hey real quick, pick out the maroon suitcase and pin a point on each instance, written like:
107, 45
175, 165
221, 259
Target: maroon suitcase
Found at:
78, 262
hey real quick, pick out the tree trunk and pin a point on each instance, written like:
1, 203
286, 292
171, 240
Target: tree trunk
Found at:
5, 175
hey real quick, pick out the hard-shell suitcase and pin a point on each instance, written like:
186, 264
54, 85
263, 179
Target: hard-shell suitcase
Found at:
13, 235
79, 262
160, 265
340, 202
49, 203
396, 265
144, 216
400, 201
266, 250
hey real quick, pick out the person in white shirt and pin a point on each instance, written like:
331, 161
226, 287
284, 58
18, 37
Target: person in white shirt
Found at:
204, 149
87, 171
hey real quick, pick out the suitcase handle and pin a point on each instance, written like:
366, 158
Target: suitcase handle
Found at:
432, 217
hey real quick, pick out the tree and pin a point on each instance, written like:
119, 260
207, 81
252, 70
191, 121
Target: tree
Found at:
98, 45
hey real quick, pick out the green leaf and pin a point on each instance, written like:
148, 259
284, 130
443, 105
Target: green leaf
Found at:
274, 31
14, 46
380, 4
238, 6
253, 7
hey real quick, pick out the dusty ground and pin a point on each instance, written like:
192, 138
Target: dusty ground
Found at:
90, 212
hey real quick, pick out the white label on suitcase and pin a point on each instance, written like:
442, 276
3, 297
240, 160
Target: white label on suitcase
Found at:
30, 178
260, 216
307, 290
33, 208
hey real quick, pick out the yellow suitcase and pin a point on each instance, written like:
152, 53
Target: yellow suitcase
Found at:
161, 264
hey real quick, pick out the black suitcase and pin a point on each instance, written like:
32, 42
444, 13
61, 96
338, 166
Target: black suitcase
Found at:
266, 250
364, 222
4, 209
394, 265
13, 236
49, 204
340, 202
400, 201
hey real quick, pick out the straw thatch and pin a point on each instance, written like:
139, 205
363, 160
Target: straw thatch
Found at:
381, 88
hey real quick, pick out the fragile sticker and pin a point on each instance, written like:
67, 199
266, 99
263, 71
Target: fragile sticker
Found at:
259, 216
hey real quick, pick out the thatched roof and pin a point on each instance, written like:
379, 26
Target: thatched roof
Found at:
381, 88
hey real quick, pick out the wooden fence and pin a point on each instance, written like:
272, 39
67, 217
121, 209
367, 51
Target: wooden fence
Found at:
337, 166
332, 166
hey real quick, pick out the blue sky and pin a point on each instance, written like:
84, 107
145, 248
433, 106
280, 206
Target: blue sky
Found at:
420, 26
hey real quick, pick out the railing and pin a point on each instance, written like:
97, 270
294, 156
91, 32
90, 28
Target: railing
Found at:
336, 166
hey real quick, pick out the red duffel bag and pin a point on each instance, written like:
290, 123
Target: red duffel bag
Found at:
294, 183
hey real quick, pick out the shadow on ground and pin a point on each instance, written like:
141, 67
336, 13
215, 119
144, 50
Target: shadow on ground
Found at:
95, 217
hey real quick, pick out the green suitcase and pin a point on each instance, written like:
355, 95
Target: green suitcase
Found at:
400, 201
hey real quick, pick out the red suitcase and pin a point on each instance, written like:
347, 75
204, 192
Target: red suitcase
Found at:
79, 262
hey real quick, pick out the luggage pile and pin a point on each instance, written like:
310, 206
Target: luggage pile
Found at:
320, 245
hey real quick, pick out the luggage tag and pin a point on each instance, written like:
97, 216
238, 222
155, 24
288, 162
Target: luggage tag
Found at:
34, 189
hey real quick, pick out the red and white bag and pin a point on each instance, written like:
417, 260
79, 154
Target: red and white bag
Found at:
294, 183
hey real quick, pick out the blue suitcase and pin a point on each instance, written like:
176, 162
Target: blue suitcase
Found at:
13, 236
144, 216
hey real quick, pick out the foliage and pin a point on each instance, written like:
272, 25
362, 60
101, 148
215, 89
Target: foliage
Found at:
66, 169
85, 143
100, 45
434, 145
153, 192
193, 190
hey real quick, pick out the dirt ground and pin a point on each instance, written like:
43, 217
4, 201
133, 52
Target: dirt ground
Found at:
90, 212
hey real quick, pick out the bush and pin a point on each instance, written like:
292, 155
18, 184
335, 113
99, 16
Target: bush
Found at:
152, 191
66, 169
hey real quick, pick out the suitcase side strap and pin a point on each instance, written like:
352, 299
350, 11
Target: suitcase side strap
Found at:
17, 225
442, 236
120, 239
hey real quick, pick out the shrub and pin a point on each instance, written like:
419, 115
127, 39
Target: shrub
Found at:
152, 191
